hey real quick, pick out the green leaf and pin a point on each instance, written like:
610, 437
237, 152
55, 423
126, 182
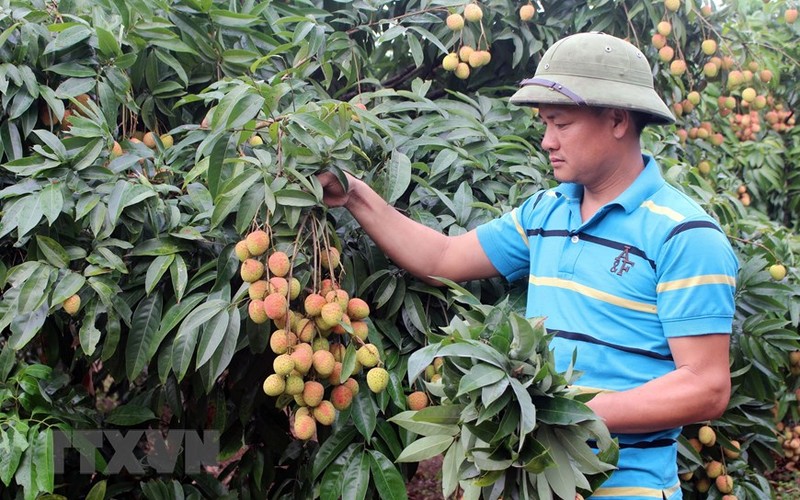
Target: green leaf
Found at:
398, 176
157, 268
528, 412
130, 414
25, 326
441, 414
69, 37
180, 276
52, 201
387, 478
451, 464
356, 477
364, 412
211, 335
332, 448
467, 348
560, 477
559, 410
53, 251
143, 333
425, 448
98, 491
186, 340
311, 122
12, 445
159, 246
535, 457
419, 361
89, 335
30, 295
478, 377
43, 460
407, 421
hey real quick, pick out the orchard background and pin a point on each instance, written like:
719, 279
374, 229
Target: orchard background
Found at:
141, 140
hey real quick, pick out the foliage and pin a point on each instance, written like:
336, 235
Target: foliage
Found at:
145, 238
507, 423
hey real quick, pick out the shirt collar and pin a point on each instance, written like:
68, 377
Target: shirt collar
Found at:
647, 183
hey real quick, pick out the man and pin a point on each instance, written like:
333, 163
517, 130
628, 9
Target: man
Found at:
629, 272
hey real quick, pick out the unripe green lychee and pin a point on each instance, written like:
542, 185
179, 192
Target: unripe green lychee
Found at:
281, 340
305, 330
749, 94
72, 304
368, 355
275, 305
313, 393
278, 285
709, 47
360, 329
473, 12
714, 469
321, 344
313, 304
257, 242
294, 385
455, 22
430, 371
294, 288
324, 413
377, 379
302, 355
450, 62
252, 270
274, 385
341, 397
304, 428
279, 264
323, 363
283, 364
437, 364
777, 271
335, 377
706, 435
672, 5
255, 309
241, 251
351, 384
298, 399
323, 328
417, 400
357, 309
258, 290
330, 258
331, 314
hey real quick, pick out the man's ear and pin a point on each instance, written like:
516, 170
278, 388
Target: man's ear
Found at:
621, 120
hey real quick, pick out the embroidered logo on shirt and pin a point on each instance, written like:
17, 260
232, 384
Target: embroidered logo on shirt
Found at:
622, 264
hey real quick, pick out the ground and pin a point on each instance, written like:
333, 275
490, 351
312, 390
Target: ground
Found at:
426, 483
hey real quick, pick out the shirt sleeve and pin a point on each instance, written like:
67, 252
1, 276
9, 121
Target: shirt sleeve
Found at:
505, 240
696, 281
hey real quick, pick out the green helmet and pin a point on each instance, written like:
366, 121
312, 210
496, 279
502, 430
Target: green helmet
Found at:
594, 69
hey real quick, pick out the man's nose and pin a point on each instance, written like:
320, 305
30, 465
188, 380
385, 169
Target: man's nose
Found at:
549, 141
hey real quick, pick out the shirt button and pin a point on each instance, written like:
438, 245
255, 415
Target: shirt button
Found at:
575, 238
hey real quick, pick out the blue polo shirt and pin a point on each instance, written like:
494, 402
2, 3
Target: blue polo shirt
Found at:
650, 265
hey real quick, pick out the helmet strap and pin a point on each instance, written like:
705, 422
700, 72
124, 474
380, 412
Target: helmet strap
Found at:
556, 87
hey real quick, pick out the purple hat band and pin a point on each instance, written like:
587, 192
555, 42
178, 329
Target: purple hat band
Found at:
557, 87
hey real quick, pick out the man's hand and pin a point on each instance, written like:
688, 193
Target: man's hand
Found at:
334, 194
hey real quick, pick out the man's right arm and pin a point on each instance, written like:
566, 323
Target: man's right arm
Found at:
422, 251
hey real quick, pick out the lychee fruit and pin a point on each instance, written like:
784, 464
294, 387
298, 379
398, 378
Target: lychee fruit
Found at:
279, 285
252, 270
313, 393
709, 46
305, 330
672, 5
464, 52
323, 363
351, 384
324, 413
257, 242
336, 374
341, 397
338, 350
255, 309
526, 12
304, 427
149, 140
360, 329
707, 436
313, 304
330, 258
280, 341
664, 28
714, 469
417, 400
357, 309
275, 305
473, 12
72, 304
283, 364
455, 22
731, 453
462, 71
724, 483
274, 385
777, 271
677, 67
116, 150
258, 290
294, 385
241, 251
279, 264
368, 355
321, 344
331, 314
302, 355
377, 379
338, 296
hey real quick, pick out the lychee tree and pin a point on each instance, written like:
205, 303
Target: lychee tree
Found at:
141, 142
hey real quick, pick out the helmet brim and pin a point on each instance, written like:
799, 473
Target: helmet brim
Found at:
598, 93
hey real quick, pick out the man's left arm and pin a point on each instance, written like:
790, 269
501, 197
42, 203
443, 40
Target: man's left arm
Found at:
698, 389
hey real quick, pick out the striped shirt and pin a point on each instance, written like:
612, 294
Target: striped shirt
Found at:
648, 266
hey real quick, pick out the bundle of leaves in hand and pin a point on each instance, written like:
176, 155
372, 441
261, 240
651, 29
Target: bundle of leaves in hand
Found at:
507, 422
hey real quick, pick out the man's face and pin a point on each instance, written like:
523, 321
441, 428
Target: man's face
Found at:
580, 142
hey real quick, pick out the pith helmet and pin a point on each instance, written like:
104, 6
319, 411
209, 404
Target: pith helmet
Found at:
594, 69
